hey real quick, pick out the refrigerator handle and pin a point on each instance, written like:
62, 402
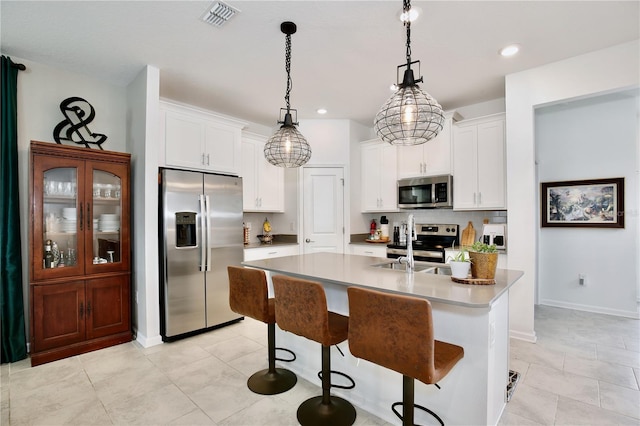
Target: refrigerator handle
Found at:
208, 204
204, 230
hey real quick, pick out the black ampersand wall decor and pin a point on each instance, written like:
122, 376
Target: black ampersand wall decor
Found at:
78, 113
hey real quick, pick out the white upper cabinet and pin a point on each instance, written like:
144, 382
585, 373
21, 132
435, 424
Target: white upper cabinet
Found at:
262, 182
428, 159
195, 139
479, 168
378, 179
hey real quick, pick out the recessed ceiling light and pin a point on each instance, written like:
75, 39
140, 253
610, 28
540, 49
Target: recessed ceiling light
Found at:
321, 111
510, 50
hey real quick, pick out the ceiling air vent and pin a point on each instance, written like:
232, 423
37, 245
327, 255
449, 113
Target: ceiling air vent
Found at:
219, 14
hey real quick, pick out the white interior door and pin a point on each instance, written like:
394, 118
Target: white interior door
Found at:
323, 210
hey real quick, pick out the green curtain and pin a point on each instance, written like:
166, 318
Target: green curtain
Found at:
14, 342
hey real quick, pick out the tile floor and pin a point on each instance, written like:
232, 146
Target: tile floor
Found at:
584, 370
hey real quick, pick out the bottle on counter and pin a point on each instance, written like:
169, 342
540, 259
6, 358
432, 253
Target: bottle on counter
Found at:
384, 228
48, 255
372, 229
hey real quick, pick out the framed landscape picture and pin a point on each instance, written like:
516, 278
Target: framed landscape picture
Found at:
596, 203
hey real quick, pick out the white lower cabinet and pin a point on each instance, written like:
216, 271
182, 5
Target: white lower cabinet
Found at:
262, 183
479, 168
372, 249
260, 253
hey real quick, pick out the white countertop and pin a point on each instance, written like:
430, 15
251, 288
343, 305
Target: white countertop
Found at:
346, 269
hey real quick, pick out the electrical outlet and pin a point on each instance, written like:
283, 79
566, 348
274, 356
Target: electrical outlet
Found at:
582, 279
292, 226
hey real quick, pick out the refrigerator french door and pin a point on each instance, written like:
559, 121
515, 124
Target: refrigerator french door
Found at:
201, 234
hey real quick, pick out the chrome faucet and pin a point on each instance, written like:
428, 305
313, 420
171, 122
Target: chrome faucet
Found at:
411, 236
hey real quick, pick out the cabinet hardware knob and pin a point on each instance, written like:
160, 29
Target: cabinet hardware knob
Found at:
309, 241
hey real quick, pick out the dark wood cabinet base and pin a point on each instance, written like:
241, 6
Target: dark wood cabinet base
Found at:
79, 348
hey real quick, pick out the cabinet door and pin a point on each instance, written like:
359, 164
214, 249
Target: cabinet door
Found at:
370, 177
411, 161
465, 173
184, 140
388, 180
107, 229
437, 152
107, 306
249, 176
58, 315
222, 150
57, 213
270, 185
491, 165
262, 183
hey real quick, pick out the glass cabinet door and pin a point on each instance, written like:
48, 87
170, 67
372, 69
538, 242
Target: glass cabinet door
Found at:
58, 218
107, 192
107, 226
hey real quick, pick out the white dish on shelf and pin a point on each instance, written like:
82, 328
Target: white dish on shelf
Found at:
69, 213
109, 216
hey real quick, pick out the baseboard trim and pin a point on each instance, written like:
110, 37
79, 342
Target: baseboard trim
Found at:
527, 337
147, 342
589, 308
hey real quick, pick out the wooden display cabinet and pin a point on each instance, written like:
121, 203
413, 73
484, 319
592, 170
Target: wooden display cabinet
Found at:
80, 293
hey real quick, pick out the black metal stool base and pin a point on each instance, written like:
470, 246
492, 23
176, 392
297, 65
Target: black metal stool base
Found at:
265, 382
339, 412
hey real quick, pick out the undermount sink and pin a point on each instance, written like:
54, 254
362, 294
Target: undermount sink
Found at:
425, 269
396, 266
438, 270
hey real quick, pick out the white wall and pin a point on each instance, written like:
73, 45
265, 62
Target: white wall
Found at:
597, 72
143, 133
589, 139
40, 91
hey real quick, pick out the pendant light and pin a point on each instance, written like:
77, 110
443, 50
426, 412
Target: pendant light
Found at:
287, 147
410, 116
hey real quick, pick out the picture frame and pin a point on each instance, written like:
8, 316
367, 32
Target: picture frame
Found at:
590, 203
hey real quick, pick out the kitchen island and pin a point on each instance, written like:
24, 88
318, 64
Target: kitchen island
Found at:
474, 317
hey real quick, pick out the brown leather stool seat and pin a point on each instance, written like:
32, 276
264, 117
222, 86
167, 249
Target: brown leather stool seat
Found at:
301, 308
249, 296
396, 332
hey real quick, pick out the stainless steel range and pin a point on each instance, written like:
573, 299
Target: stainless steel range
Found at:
430, 243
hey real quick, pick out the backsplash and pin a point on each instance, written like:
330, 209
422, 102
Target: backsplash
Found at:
435, 216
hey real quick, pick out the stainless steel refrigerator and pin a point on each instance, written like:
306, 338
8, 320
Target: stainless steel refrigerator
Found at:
200, 235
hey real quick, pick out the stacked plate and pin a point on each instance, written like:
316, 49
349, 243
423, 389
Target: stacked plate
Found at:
109, 223
68, 223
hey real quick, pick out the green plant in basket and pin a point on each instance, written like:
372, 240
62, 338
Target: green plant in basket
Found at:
480, 247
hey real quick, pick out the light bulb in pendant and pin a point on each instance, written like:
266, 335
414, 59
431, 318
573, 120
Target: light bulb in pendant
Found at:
408, 114
287, 146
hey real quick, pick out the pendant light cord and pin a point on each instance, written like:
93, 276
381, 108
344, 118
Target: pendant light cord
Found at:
407, 9
287, 63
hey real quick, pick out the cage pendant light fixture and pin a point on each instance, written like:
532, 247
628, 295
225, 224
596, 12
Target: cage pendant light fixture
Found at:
410, 116
287, 147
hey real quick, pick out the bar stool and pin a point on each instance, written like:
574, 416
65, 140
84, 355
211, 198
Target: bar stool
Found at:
301, 308
396, 332
249, 296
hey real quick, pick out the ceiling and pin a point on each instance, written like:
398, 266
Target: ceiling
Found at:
344, 54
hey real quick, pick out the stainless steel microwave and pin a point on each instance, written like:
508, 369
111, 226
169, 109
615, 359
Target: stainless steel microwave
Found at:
425, 192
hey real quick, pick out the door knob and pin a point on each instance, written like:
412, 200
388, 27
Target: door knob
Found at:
308, 241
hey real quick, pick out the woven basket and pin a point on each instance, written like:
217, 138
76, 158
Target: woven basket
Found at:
483, 265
